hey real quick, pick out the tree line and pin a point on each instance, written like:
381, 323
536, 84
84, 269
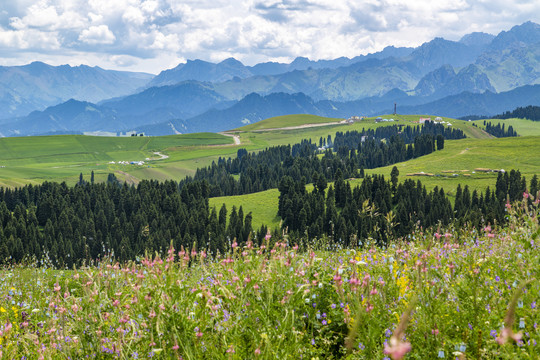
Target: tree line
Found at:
349, 152
499, 131
69, 226
530, 112
385, 209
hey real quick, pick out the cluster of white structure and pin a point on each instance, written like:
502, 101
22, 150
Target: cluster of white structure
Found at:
140, 163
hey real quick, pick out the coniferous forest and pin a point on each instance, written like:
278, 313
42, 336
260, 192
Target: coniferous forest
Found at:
499, 130
70, 226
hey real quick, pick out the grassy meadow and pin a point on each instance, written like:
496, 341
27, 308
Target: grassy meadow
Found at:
63, 158
455, 293
288, 121
522, 126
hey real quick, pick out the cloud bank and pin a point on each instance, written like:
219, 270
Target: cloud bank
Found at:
151, 35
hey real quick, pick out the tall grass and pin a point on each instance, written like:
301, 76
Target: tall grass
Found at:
444, 294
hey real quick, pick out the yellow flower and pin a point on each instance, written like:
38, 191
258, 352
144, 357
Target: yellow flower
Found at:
2, 309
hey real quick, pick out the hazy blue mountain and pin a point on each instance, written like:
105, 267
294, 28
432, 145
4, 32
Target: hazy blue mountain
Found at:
75, 117
69, 117
252, 108
371, 77
478, 39
200, 70
487, 103
186, 99
231, 68
37, 85
514, 66
444, 82
525, 34
438, 52
435, 80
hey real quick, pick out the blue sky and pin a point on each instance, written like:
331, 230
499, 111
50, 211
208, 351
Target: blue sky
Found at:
152, 35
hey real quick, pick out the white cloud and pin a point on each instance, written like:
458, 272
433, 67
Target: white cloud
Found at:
97, 35
152, 32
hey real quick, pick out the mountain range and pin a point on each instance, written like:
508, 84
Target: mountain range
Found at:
475, 75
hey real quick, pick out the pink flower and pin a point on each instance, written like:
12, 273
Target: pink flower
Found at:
152, 314
257, 351
508, 334
397, 348
176, 347
56, 287
438, 236
525, 195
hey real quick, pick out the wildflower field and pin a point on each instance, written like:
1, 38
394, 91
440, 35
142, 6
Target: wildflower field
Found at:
449, 293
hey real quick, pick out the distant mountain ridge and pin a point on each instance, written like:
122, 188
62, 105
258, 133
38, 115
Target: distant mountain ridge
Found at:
231, 68
37, 85
452, 78
78, 116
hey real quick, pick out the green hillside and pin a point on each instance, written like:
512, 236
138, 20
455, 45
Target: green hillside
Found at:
447, 168
288, 121
522, 126
61, 158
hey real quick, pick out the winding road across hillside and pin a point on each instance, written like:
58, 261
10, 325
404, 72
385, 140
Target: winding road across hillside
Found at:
234, 136
304, 126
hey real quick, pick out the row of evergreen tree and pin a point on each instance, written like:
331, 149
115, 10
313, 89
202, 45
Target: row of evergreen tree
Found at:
499, 131
352, 153
70, 225
530, 112
381, 209
351, 139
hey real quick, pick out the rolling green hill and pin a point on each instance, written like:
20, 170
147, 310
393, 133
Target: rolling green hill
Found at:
63, 158
288, 121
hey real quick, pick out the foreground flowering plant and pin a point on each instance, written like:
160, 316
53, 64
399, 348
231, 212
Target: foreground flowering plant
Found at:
430, 297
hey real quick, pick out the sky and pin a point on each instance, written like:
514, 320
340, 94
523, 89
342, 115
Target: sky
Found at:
153, 35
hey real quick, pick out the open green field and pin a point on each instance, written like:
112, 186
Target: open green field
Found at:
262, 205
450, 167
522, 126
61, 158
288, 121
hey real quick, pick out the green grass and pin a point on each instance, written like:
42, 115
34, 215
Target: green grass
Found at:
468, 154
456, 292
458, 155
522, 126
63, 158
287, 121
263, 206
